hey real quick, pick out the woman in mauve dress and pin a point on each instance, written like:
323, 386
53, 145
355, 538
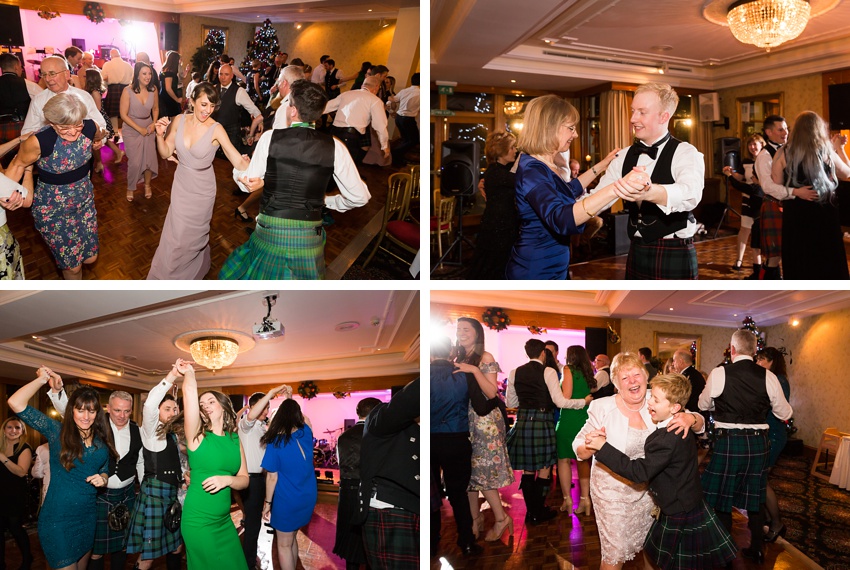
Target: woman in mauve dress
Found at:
140, 111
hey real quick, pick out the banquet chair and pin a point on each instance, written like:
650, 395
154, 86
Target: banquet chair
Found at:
394, 229
829, 440
414, 194
441, 222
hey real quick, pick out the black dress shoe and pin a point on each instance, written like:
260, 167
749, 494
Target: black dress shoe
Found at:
771, 536
471, 549
754, 554
242, 216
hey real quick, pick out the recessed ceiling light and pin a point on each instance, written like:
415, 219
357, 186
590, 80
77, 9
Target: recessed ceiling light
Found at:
513, 80
347, 326
370, 10
735, 315
671, 308
547, 41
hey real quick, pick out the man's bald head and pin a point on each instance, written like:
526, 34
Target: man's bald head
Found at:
55, 71
225, 74
113, 53
143, 57
372, 83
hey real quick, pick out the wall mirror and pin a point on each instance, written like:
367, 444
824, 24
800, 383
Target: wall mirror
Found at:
753, 109
666, 343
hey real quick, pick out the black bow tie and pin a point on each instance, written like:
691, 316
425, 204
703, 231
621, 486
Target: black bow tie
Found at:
652, 151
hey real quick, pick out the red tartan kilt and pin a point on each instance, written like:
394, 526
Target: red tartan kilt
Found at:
771, 228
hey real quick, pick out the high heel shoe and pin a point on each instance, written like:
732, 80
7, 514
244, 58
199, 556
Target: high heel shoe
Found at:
771, 536
242, 216
583, 506
477, 525
738, 265
119, 157
148, 192
498, 529
129, 195
567, 505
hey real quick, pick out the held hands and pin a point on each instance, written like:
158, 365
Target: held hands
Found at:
805, 193
13, 202
595, 439
184, 366
634, 185
278, 389
588, 399
216, 483
150, 129
252, 184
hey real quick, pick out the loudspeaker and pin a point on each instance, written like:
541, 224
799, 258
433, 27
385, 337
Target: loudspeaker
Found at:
722, 146
79, 42
595, 341
348, 423
839, 107
459, 171
11, 33
169, 36
238, 401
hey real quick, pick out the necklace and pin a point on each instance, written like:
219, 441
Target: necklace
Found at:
639, 408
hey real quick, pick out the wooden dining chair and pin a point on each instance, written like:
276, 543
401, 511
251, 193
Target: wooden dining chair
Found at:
394, 229
442, 223
829, 441
414, 195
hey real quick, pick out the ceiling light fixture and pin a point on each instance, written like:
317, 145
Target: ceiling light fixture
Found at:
268, 327
513, 107
214, 352
768, 23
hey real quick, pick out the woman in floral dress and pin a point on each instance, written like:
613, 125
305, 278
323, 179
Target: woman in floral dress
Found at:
491, 468
63, 202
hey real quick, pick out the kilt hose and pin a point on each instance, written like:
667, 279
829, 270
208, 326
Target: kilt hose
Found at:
771, 228
531, 442
112, 103
736, 475
279, 248
147, 533
662, 259
107, 540
391, 539
695, 540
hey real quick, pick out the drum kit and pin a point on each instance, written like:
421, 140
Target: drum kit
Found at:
324, 450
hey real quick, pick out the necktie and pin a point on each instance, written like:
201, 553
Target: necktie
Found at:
652, 151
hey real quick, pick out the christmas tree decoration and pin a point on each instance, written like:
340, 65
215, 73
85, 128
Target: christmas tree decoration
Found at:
496, 319
215, 41
534, 329
263, 47
308, 390
747, 325
45, 13
94, 12
694, 351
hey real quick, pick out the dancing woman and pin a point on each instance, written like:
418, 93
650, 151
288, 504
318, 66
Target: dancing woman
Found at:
16, 456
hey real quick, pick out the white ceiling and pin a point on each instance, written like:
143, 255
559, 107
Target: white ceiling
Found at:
278, 11
93, 334
712, 308
488, 43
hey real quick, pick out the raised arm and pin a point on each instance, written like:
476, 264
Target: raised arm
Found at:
150, 411
19, 401
191, 407
165, 138
264, 401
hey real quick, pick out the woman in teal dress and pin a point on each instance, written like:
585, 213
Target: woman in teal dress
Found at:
578, 382
217, 464
80, 447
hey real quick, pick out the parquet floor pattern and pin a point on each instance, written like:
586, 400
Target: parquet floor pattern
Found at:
129, 231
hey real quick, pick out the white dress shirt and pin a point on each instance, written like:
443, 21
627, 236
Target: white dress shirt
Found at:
7, 188
353, 191
150, 417
117, 71
717, 381
242, 99
408, 102
250, 434
358, 109
280, 114
35, 120
602, 377
319, 73
763, 167
688, 169
33, 88
551, 379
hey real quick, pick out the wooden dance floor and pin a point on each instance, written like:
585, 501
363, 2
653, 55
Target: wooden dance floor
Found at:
129, 231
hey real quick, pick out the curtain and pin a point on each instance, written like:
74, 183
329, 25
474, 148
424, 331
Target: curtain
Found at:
702, 137
614, 125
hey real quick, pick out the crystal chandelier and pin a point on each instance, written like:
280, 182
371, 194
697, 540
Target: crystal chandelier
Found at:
513, 107
214, 352
768, 23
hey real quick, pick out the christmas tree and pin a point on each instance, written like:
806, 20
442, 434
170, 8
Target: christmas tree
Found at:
215, 41
264, 46
748, 325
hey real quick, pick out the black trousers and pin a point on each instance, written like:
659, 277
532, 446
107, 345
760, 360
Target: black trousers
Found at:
252, 499
352, 142
452, 454
409, 137
15, 526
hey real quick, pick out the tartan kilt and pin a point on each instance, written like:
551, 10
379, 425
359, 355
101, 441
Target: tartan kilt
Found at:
662, 259
348, 544
279, 248
147, 533
391, 539
10, 130
107, 540
736, 475
531, 442
771, 228
695, 540
112, 102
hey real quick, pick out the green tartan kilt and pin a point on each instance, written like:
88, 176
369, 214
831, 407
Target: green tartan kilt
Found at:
695, 540
531, 442
107, 540
662, 259
147, 533
279, 248
736, 475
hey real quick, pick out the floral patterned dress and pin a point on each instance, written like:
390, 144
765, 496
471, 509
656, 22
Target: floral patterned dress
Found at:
491, 467
64, 212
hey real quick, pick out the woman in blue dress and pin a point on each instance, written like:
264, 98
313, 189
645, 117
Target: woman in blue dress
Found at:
291, 490
80, 447
547, 204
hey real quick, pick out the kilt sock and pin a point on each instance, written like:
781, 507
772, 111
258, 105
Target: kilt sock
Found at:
755, 522
530, 494
545, 487
96, 563
173, 561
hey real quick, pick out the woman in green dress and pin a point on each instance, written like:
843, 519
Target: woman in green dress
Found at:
217, 464
578, 381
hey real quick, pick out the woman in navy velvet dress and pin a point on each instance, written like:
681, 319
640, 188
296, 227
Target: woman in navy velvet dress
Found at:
548, 205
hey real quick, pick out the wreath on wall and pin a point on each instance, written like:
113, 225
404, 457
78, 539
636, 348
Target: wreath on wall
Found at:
496, 319
94, 12
534, 329
613, 337
45, 13
308, 390
339, 394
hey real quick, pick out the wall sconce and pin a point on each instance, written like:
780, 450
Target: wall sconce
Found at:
383, 23
297, 25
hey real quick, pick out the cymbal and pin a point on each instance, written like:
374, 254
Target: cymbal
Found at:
332, 430
33, 61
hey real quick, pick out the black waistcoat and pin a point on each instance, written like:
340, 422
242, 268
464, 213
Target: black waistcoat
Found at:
299, 170
348, 447
125, 467
228, 112
14, 97
164, 465
744, 399
332, 84
530, 387
648, 218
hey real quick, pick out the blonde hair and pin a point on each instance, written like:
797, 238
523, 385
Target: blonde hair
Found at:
666, 95
65, 109
676, 388
23, 439
498, 144
543, 118
623, 361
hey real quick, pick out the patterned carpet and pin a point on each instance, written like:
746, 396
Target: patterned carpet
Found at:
816, 513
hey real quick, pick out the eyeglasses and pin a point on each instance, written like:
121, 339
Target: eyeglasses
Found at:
52, 74
68, 130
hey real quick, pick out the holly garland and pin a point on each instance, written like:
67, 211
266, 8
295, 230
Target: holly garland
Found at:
496, 319
94, 12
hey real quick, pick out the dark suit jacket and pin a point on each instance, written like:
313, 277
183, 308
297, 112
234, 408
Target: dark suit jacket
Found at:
697, 386
670, 467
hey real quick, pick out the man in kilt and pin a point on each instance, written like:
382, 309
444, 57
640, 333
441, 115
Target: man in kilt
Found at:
294, 167
661, 225
776, 133
117, 74
389, 482
163, 476
533, 389
116, 501
741, 394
